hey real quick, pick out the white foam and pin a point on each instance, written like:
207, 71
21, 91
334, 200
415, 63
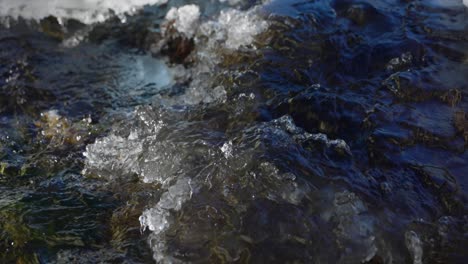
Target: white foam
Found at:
86, 11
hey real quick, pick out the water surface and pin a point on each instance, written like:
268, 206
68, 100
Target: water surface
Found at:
281, 131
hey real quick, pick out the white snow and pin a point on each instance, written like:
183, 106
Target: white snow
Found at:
86, 11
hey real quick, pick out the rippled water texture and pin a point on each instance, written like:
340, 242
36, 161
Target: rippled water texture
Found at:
282, 131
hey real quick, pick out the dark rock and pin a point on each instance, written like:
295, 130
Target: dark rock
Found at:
178, 48
51, 27
461, 123
134, 34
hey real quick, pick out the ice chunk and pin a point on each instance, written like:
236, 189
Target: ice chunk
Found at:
113, 155
197, 93
158, 218
176, 195
86, 11
236, 28
241, 27
227, 149
184, 19
162, 160
287, 123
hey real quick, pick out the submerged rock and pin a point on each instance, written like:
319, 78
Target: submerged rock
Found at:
178, 48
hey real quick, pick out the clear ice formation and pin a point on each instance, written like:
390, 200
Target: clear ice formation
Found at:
194, 167
190, 160
113, 155
236, 28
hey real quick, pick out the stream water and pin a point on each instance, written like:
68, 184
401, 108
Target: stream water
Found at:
279, 131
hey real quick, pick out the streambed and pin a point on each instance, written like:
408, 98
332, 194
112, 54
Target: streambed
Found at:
235, 131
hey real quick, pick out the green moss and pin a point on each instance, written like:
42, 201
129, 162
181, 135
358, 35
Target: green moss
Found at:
3, 166
15, 236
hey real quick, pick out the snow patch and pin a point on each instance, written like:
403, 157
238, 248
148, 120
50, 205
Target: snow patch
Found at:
86, 11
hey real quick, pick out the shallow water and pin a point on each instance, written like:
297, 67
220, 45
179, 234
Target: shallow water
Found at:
285, 131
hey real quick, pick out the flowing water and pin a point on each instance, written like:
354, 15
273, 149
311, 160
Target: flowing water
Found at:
281, 131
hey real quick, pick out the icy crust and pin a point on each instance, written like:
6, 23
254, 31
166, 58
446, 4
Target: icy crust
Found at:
86, 11
195, 164
118, 155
